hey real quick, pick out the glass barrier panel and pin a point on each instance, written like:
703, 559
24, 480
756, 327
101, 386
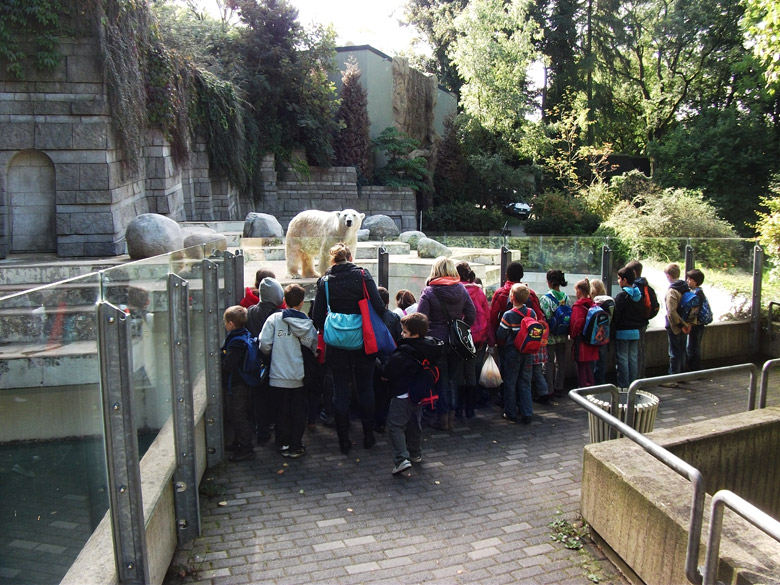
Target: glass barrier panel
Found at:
53, 478
140, 289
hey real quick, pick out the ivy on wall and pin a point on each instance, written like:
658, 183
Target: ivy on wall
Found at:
35, 21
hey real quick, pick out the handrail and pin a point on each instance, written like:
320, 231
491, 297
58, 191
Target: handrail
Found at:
645, 382
769, 318
764, 386
748, 511
667, 458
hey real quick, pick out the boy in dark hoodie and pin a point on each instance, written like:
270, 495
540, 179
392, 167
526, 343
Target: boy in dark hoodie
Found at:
676, 328
627, 320
285, 332
403, 372
237, 392
271, 301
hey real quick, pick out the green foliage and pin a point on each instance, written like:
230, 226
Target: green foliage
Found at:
555, 212
768, 226
461, 217
599, 199
655, 226
30, 21
571, 535
728, 154
762, 23
402, 169
352, 145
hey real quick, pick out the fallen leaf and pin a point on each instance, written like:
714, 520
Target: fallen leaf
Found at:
437, 482
280, 472
349, 509
222, 503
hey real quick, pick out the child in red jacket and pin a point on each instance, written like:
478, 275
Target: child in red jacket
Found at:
583, 353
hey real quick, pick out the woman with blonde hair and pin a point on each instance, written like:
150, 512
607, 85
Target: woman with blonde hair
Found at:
445, 298
340, 290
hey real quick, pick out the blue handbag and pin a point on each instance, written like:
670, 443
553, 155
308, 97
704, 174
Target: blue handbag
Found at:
342, 330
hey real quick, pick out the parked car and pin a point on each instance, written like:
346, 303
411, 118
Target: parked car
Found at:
518, 209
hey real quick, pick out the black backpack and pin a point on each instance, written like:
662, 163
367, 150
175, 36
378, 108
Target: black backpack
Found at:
460, 334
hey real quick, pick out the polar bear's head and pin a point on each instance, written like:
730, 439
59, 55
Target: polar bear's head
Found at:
351, 219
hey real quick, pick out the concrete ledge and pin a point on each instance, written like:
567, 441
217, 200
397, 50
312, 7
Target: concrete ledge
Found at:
95, 563
641, 508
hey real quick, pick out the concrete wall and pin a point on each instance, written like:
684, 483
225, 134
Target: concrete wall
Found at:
641, 508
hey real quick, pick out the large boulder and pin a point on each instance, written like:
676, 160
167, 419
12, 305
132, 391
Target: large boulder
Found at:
197, 236
411, 237
428, 248
381, 227
151, 234
363, 235
262, 225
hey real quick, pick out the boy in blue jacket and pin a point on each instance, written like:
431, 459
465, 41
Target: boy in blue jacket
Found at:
238, 393
407, 380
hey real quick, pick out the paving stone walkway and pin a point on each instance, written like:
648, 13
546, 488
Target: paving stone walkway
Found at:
477, 510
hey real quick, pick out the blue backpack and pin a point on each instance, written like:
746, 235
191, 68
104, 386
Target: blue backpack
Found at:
559, 322
688, 306
254, 371
596, 330
705, 311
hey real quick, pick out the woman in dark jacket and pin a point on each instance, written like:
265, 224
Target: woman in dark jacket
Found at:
349, 366
445, 296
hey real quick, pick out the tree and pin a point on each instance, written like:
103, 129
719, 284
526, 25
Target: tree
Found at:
768, 226
284, 74
403, 168
492, 54
435, 18
762, 23
352, 145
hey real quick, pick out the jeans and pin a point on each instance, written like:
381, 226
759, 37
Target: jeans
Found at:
600, 366
538, 382
555, 368
352, 368
626, 356
693, 353
517, 371
239, 408
405, 429
450, 372
640, 363
291, 416
676, 351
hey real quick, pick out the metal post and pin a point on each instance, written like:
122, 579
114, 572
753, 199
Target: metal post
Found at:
383, 266
215, 441
506, 256
755, 309
606, 268
124, 472
185, 480
690, 255
230, 278
238, 275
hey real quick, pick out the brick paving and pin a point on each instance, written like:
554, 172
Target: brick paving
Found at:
477, 510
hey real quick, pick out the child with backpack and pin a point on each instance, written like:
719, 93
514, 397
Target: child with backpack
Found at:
698, 319
285, 333
557, 311
650, 307
237, 390
676, 326
598, 293
411, 376
627, 320
583, 352
517, 368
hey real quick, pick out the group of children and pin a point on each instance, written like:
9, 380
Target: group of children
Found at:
288, 339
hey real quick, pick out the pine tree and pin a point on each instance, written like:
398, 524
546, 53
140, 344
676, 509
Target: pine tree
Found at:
352, 145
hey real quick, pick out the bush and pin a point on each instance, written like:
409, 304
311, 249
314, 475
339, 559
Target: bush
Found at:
659, 227
555, 212
768, 226
462, 217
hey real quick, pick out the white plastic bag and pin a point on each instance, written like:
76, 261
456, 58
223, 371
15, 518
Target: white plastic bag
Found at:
490, 376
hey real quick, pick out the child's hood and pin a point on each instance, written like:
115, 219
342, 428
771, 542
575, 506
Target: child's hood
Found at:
633, 292
298, 322
680, 286
424, 347
271, 291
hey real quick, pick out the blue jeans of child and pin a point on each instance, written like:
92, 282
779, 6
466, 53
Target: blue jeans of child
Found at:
517, 371
676, 351
693, 352
626, 356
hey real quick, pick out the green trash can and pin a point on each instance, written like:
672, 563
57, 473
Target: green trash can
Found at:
645, 409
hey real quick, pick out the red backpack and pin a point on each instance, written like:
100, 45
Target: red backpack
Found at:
532, 335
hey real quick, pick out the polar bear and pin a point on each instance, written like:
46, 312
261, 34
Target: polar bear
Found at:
313, 233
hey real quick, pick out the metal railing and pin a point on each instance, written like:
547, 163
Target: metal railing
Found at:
724, 497
769, 328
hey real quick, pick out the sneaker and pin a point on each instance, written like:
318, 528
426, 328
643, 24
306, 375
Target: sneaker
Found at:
242, 455
401, 467
294, 453
526, 420
416, 459
512, 419
283, 449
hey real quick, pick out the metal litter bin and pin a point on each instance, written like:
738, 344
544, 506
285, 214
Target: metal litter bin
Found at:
645, 409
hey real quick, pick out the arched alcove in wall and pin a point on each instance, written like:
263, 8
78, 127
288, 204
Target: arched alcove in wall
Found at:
31, 203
